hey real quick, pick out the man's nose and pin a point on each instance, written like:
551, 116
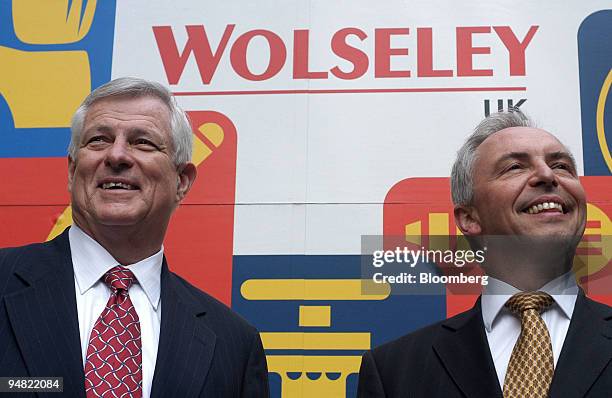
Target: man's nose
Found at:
118, 155
543, 175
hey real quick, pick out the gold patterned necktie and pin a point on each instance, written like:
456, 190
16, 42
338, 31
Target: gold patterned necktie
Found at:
531, 365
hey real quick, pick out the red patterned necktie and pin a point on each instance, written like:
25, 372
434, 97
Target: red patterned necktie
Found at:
113, 367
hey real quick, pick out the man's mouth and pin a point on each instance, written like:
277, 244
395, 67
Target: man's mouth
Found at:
549, 207
118, 185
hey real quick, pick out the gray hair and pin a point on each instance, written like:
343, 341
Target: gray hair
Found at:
132, 87
462, 181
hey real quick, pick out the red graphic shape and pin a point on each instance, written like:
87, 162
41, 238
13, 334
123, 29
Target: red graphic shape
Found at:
200, 238
33, 196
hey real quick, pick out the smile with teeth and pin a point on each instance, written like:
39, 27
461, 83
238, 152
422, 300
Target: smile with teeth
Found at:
546, 206
117, 185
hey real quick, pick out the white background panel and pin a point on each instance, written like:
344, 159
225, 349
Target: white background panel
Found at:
269, 229
331, 237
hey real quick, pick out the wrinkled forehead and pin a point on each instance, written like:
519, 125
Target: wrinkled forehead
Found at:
532, 142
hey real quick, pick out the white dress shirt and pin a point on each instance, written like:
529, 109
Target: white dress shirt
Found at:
503, 328
91, 261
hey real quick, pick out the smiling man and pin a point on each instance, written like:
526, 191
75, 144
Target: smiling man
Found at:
98, 305
532, 333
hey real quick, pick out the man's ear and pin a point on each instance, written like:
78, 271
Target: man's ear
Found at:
466, 218
186, 176
71, 168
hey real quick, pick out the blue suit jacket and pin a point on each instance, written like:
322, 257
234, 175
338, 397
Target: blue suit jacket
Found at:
205, 349
452, 359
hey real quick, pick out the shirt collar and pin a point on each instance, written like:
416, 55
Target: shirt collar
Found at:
563, 290
91, 261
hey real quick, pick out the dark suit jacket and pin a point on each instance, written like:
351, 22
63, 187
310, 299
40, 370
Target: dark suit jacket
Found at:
205, 350
452, 359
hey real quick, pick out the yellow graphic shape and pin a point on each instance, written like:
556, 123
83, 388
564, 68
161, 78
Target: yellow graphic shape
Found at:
319, 368
413, 233
43, 88
314, 289
601, 111
199, 154
438, 231
315, 341
588, 264
52, 21
438, 223
201, 150
315, 315
62, 222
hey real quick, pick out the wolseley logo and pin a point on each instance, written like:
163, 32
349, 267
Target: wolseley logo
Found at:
347, 45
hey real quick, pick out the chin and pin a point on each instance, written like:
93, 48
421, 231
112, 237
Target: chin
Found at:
117, 217
555, 241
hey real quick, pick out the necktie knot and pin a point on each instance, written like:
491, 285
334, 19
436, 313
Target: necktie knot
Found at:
524, 301
119, 278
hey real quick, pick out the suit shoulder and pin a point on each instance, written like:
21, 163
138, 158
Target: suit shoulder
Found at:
22, 257
415, 341
418, 342
601, 309
214, 308
10, 255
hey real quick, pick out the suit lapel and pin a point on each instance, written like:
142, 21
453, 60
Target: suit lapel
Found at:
586, 351
463, 349
186, 344
44, 316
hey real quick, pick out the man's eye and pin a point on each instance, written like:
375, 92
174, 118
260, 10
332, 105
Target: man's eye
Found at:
514, 166
563, 166
144, 142
96, 139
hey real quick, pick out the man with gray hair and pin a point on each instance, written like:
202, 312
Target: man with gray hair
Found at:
533, 332
98, 305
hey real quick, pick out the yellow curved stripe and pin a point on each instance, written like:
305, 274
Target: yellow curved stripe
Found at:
201, 151
591, 263
601, 111
213, 132
314, 289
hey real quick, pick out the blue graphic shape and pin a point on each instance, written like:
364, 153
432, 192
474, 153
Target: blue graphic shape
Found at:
98, 43
384, 319
595, 61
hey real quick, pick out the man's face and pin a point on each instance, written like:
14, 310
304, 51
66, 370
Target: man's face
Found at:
123, 173
524, 184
